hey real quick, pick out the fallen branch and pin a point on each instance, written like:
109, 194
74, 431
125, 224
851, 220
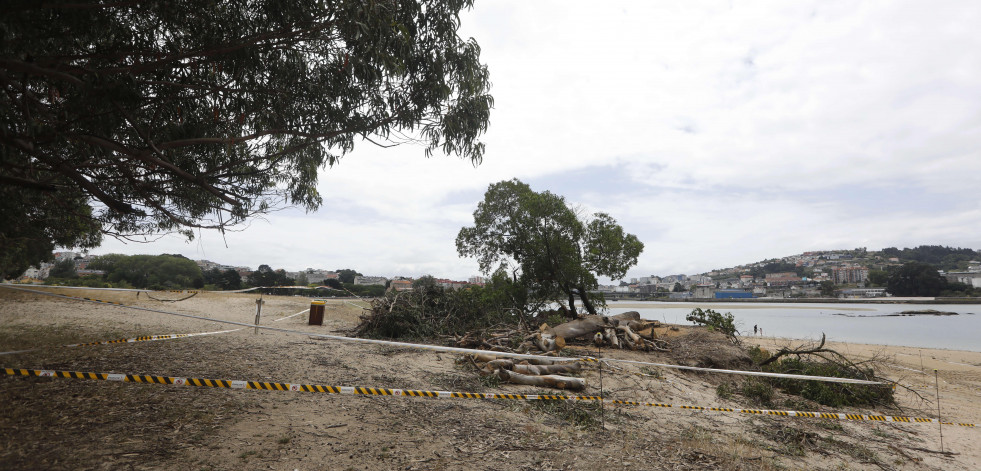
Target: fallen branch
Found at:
797, 351
551, 381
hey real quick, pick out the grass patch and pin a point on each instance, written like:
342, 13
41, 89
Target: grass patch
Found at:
724, 390
651, 371
582, 414
791, 440
490, 381
758, 390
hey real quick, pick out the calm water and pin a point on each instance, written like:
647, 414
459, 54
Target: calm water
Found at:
861, 323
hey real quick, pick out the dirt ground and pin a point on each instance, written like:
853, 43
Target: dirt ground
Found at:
56, 423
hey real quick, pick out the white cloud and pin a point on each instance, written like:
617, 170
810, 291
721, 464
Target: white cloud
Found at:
719, 132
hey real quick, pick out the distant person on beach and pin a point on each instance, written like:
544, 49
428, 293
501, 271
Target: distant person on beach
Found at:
755, 330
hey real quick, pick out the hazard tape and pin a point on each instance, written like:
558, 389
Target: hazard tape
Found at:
87, 288
144, 338
438, 348
373, 391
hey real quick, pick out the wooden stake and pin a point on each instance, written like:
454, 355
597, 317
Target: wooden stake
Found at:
258, 312
940, 420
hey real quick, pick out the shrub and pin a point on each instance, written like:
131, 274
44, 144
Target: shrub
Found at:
724, 323
830, 394
431, 311
724, 391
758, 354
582, 414
825, 393
760, 391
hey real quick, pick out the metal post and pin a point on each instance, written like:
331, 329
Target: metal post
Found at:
940, 420
602, 399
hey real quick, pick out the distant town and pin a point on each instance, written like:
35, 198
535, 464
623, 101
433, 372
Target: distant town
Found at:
856, 273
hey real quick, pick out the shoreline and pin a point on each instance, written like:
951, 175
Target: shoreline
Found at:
890, 300
759, 340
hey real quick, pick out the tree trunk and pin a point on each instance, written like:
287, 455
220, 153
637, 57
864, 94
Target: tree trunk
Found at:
581, 327
572, 303
551, 381
584, 296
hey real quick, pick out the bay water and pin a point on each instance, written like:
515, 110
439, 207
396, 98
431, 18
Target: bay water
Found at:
842, 322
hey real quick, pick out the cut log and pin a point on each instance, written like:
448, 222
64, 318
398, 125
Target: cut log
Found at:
635, 341
626, 317
646, 332
587, 325
487, 357
546, 369
549, 342
549, 381
494, 365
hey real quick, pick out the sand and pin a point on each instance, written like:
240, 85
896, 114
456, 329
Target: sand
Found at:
71, 424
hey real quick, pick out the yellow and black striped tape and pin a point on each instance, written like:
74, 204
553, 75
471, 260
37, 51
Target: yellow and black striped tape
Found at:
96, 300
142, 338
369, 391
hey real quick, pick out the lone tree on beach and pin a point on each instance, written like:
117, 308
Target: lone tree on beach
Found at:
131, 118
538, 239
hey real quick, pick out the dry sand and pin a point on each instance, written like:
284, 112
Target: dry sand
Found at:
70, 424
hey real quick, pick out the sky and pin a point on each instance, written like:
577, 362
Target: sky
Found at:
718, 132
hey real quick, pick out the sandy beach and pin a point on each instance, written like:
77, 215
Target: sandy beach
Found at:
56, 423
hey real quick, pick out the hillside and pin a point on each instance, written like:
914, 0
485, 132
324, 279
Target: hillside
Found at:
944, 258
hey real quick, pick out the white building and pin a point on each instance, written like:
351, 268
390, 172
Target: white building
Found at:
370, 280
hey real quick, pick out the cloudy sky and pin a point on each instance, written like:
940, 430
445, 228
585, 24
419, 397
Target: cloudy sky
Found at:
718, 132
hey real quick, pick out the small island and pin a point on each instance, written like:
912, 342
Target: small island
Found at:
925, 312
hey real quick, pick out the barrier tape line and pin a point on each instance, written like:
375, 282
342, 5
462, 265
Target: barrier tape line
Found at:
131, 290
439, 348
143, 338
374, 391
146, 338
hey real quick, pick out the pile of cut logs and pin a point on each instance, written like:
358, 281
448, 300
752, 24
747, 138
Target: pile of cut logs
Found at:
541, 373
619, 331
625, 330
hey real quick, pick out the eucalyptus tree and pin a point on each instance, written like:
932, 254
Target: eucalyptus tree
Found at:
916, 279
32, 225
542, 242
171, 116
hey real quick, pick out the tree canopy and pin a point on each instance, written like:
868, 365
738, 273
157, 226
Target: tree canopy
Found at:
150, 271
223, 280
945, 258
346, 275
539, 239
32, 225
916, 279
146, 117
266, 276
